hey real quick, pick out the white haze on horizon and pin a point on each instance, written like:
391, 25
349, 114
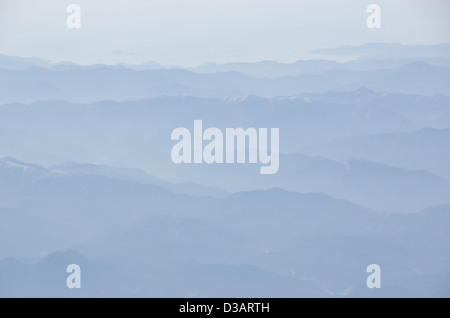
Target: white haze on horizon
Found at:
188, 33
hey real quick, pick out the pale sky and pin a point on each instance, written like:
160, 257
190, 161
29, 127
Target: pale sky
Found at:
191, 32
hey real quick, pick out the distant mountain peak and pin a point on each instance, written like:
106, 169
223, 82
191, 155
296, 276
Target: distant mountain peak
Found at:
12, 162
364, 90
65, 257
417, 66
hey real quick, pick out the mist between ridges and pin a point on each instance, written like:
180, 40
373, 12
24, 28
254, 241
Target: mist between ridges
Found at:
236, 145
